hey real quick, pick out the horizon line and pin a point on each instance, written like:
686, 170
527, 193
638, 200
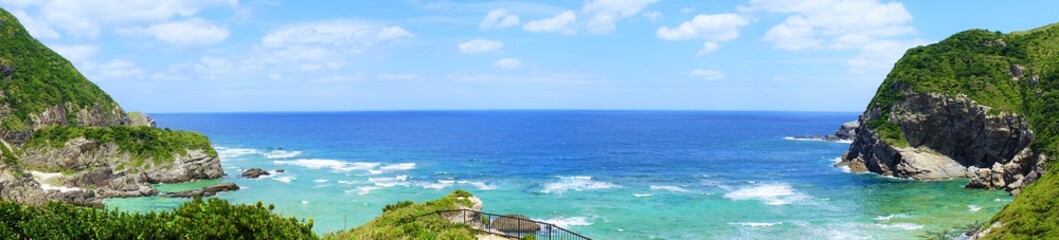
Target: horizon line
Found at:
508, 110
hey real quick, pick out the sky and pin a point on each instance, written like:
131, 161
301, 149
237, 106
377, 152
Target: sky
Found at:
271, 56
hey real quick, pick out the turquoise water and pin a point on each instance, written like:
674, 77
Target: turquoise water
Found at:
606, 174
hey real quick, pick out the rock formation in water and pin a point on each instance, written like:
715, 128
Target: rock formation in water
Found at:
846, 132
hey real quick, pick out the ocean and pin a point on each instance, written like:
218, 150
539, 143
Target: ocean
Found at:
604, 174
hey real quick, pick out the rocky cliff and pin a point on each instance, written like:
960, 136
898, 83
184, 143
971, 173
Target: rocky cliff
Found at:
982, 105
63, 138
946, 137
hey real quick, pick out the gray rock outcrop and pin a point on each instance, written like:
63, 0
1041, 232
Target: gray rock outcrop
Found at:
254, 173
846, 132
206, 191
947, 137
96, 170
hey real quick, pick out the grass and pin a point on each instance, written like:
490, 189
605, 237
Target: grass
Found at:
141, 142
403, 221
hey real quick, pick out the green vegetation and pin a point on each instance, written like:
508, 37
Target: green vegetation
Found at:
197, 219
140, 142
405, 220
979, 64
40, 79
953, 233
10, 159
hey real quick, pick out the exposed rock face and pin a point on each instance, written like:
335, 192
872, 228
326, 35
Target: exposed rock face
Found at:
254, 173
95, 165
206, 191
847, 132
948, 137
24, 189
141, 119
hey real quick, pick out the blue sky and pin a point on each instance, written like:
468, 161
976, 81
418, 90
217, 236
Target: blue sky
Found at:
234, 56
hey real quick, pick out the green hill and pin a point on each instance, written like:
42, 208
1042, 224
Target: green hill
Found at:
1014, 74
40, 87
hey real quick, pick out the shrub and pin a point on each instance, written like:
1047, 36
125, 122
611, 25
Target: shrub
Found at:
196, 219
414, 221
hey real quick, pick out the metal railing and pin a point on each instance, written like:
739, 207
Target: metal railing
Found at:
509, 225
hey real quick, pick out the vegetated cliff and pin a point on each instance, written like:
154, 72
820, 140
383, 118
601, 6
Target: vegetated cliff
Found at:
63, 138
979, 104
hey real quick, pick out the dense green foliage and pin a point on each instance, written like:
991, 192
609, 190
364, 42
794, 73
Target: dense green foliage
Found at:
141, 142
413, 221
980, 64
40, 79
197, 219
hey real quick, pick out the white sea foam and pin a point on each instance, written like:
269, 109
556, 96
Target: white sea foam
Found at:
400, 180
756, 224
771, 194
576, 183
669, 188
282, 154
329, 163
808, 139
891, 216
305, 202
640, 195
285, 179
399, 166
479, 185
439, 184
973, 208
566, 222
229, 153
364, 190
347, 182
320, 180
902, 226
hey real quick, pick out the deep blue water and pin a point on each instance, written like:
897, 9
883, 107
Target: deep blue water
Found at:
608, 174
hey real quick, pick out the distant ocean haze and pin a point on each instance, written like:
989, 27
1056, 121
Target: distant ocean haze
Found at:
606, 174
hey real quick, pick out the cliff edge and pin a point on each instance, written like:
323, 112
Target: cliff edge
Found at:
979, 104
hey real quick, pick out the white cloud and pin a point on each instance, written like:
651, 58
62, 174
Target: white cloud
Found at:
865, 25
352, 37
397, 76
36, 27
717, 28
89, 18
708, 74
603, 14
480, 46
652, 16
713, 29
562, 23
187, 33
76, 52
499, 19
116, 69
880, 55
687, 9
275, 76
508, 63
708, 47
